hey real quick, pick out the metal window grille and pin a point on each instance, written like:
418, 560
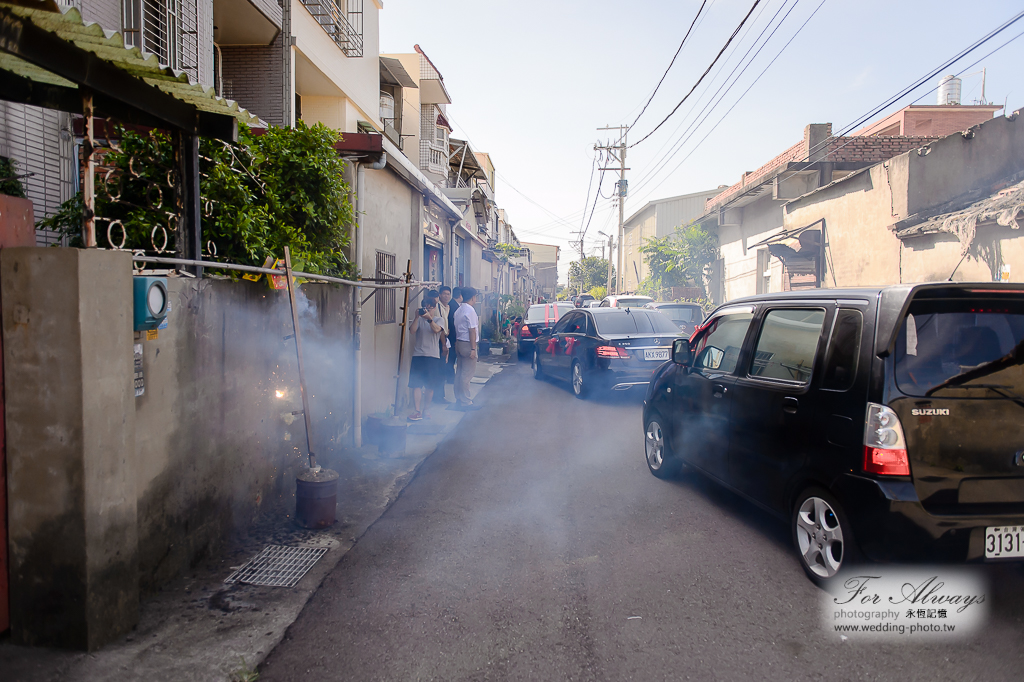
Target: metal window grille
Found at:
342, 20
167, 28
385, 299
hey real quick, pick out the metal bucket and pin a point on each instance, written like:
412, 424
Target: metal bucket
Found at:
316, 498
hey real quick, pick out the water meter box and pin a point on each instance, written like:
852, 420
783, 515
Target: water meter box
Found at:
150, 302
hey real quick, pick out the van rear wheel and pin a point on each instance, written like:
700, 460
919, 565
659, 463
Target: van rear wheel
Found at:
822, 535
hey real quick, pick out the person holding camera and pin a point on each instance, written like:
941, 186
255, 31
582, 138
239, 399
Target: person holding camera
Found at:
426, 370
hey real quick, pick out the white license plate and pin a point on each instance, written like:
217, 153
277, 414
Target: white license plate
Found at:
656, 354
1004, 541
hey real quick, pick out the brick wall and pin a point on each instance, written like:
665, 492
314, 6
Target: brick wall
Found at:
942, 123
875, 148
254, 77
866, 149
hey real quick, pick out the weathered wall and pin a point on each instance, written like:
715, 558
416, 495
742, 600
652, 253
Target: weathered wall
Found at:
760, 219
957, 164
857, 212
391, 214
110, 493
70, 427
213, 439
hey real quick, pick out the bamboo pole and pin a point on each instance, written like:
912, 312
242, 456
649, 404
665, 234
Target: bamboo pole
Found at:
89, 179
298, 351
401, 338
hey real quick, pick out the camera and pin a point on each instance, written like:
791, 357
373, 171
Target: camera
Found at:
421, 312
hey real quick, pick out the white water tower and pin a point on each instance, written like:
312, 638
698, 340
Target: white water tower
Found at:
949, 90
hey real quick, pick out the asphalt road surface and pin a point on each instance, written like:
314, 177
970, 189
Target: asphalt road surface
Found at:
535, 545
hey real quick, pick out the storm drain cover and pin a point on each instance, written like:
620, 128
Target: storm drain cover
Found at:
277, 566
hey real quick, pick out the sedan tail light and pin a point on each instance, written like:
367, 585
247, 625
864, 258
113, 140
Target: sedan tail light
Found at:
885, 450
525, 331
612, 352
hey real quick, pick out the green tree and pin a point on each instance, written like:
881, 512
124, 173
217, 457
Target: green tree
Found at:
10, 184
591, 272
680, 259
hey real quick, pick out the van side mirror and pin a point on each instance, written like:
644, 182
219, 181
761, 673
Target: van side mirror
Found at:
681, 353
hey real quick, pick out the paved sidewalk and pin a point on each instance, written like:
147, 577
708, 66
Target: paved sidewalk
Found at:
197, 628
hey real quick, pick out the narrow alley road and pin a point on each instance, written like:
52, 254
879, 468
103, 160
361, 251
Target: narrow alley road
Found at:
535, 545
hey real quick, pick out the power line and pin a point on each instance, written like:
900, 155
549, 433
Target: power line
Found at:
678, 50
924, 79
697, 122
710, 66
875, 110
670, 144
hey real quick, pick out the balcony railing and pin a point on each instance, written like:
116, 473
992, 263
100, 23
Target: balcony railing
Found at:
345, 27
434, 157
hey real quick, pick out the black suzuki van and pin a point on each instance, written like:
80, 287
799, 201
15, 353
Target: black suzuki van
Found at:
886, 423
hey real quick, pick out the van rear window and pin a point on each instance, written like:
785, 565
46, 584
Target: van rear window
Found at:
941, 343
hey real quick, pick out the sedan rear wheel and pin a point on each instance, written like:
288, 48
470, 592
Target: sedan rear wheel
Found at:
580, 387
822, 535
659, 458
537, 373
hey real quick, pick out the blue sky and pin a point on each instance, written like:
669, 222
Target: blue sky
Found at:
531, 82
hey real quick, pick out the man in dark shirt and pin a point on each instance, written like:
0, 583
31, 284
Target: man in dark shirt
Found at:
453, 305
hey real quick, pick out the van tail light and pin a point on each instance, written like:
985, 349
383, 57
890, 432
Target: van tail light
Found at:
885, 450
612, 352
525, 332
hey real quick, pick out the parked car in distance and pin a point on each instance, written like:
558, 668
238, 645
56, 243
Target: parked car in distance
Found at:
626, 301
539, 316
687, 315
604, 348
592, 304
582, 299
874, 421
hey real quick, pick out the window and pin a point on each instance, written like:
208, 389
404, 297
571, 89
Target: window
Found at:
577, 324
844, 351
719, 348
563, 325
384, 299
942, 339
786, 347
167, 28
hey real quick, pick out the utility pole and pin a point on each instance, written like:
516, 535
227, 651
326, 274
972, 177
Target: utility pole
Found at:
609, 287
617, 152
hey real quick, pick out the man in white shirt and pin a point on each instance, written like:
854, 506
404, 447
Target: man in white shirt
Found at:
467, 334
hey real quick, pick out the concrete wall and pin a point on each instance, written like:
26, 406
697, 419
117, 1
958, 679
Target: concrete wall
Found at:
760, 219
392, 224
213, 440
112, 494
355, 79
957, 164
70, 427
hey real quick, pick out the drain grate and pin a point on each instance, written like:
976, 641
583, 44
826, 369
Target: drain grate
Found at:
277, 566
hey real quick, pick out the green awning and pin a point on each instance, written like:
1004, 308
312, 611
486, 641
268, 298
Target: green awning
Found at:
49, 57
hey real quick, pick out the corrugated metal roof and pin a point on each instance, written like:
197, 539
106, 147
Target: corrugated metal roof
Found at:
67, 24
1005, 208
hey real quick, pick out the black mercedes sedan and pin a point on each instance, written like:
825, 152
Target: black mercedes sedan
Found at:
604, 348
